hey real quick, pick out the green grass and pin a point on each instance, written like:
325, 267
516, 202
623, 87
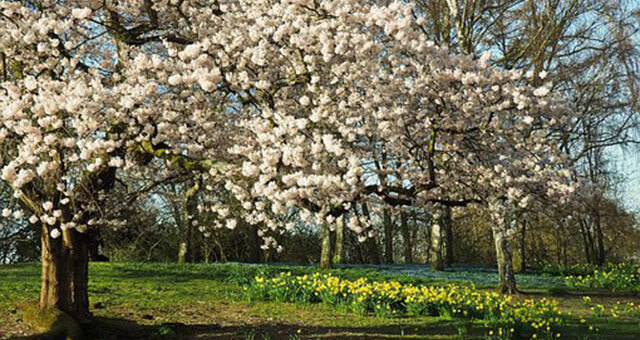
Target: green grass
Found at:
197, 301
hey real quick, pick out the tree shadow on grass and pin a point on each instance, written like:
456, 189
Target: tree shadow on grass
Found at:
265, 329
122, 329
174, 274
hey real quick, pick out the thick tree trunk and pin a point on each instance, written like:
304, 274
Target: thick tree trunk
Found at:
436, 245
504, 257
338, 249
65, 273
325, 255
406, 237
388, 237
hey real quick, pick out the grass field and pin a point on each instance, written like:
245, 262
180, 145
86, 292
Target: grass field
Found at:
197, 301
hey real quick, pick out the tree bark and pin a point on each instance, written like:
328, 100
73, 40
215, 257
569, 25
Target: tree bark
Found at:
599, 239
406, 237
182, 252
65, 273
447, 224
523, 245
360, 248
325, 255
371, 244
504, 257
586, 237
388, 237
337, 252
190, 209
255, 252
436, 247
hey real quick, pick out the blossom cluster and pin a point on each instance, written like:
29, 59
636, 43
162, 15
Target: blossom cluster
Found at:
287, 105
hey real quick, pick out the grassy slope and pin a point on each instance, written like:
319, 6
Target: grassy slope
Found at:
206, 302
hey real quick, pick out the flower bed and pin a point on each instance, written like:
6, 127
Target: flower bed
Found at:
614, 277
504, 316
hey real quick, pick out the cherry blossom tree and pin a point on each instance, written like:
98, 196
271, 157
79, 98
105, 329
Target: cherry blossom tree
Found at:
88, 92
288, 105
401, 122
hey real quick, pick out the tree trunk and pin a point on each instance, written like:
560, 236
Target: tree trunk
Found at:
255, 252
337, 257
558, 245
360, 248
523, 245
565, 245
371, 244
504, 257
435, 249
406, 237
599, 240
586, 237
325, 255
182, 252
388, 237
190, 211
447, 224
65, 273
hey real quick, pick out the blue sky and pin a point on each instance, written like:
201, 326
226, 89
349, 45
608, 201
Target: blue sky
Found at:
627, 163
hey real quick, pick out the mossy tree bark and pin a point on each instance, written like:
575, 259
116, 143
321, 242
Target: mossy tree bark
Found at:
190, 209
504, 257
436, 245
65, 273
65, 259
326, 258
338, 249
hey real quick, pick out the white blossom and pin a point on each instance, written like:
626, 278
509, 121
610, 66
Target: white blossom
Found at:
30, 83
231, 224
81, 13
55, 233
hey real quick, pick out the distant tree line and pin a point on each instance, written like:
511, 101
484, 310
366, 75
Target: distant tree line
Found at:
155, 229
587, 49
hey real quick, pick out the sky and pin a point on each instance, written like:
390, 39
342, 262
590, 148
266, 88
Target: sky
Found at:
628, 165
